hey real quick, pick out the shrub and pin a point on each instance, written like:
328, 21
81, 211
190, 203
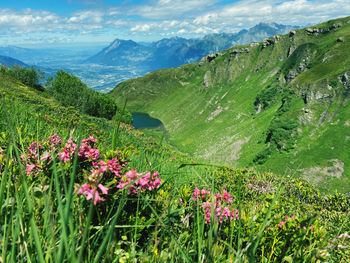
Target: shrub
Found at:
30, 77
71, 91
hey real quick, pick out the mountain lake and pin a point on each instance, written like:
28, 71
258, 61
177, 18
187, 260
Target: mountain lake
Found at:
143, 121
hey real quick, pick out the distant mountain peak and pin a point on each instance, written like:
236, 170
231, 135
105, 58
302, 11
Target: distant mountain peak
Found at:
176, 50
120, 43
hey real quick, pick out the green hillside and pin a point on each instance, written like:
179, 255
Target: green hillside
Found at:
79, 188
281, 105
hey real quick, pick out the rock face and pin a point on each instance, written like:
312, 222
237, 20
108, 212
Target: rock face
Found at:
207, 80
316, 30
239, 51
292, 33
345, 80
267, 42
270, 41
209, 58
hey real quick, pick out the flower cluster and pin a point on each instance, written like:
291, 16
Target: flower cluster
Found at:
220, 204
137, 182
283, 223
97, 171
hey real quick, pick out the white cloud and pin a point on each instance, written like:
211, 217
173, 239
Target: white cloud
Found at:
206, 19
141, 28
164, 9
159, 18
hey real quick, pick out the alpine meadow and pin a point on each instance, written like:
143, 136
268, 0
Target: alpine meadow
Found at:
246, 158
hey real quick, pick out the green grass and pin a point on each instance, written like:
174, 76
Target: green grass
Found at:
43, 220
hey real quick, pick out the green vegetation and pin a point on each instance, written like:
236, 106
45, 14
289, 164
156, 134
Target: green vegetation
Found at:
281, 105
29, 77
71, 91
74, 188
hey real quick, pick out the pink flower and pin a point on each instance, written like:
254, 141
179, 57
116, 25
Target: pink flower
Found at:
196, 193
227, 196
65, 156
91, 193
204, 192
139, 181
55, 141
207, 211
293, 216
68, 151
103, 189
46, 156
286, 218
218, 197
30, 168
281, 224
114, 166
82, 189
90, 139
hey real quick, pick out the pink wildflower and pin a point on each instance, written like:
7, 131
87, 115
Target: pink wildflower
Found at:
68, 151
281, 224
103, 189
46, 156
92, 193
293, 216
65, 156
207, 211
227, 196
139, 181
30, 168
92, 154
90, 139
114, 166
55, 141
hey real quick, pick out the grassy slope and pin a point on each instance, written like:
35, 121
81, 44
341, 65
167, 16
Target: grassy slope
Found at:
174, 233
219, 122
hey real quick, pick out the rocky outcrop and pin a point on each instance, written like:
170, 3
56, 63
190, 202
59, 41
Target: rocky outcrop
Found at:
209, 58
239, 51
292, 33
317, 30
207, 80
270, 41
345, 80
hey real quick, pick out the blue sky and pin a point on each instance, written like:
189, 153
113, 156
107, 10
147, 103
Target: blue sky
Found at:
59, 22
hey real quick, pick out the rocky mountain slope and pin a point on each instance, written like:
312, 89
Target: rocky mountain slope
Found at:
280, 105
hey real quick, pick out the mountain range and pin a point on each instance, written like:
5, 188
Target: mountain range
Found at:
173, 52
280, 105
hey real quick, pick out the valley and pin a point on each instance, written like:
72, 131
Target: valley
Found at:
281, 105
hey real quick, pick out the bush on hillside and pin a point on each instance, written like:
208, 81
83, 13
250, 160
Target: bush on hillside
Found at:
71, 91
29, 77
266, 97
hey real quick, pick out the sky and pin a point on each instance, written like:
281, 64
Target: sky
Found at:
41, 23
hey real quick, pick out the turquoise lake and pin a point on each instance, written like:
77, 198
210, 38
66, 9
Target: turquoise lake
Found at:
143, 121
